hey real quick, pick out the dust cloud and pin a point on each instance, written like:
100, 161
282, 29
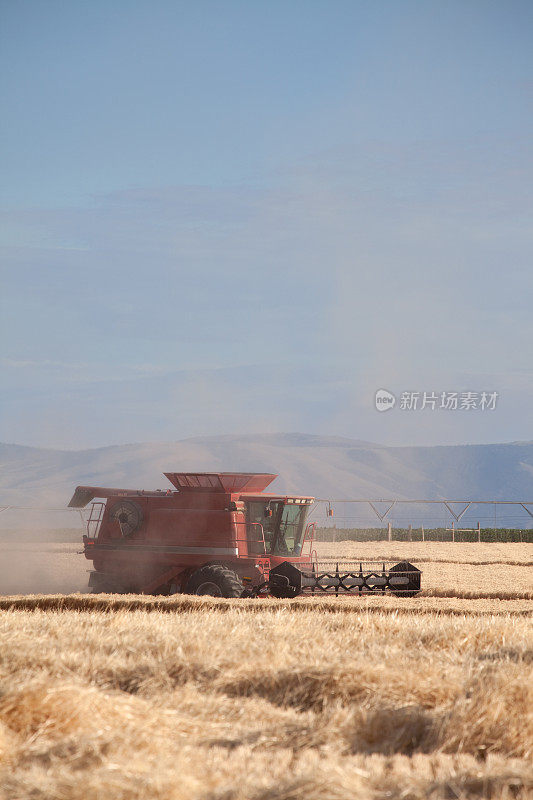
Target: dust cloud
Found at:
40, 549
41, 567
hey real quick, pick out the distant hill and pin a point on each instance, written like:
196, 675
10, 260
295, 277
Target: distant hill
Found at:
327, 467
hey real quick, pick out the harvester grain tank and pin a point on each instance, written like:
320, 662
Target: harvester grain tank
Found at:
221, 534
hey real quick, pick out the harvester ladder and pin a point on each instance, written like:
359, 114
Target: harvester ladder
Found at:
95, 518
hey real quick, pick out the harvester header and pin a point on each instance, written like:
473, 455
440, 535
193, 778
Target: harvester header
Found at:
217, 533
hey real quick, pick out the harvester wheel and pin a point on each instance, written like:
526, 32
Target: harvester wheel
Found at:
216, 580
414, 575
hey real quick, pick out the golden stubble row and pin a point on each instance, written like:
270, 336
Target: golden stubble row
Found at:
229, 705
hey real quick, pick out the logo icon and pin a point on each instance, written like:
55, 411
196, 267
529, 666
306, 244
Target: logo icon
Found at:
384, 400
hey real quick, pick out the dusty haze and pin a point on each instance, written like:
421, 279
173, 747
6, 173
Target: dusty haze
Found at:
449, 569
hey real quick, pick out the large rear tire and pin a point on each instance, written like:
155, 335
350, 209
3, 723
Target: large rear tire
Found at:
216, 580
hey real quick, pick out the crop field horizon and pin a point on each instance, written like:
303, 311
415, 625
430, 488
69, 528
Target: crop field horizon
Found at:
318, 698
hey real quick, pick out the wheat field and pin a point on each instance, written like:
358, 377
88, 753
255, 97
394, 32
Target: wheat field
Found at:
317, 698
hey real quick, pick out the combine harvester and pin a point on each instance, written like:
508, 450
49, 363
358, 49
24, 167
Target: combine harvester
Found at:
220, 534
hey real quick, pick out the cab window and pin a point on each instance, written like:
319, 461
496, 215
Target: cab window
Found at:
289, 539
281, 524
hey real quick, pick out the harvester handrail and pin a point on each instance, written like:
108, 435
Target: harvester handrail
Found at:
262, 539
309, 536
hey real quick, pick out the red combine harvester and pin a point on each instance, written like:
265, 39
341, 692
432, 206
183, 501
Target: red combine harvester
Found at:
217, 533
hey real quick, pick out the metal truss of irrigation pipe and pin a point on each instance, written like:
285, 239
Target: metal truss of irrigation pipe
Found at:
457, 514
373, 504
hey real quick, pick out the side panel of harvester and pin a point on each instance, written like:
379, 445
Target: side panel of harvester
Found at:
145, 540
176, 531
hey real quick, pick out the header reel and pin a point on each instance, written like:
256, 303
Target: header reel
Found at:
401, 580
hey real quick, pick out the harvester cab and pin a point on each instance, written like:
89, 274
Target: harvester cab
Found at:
218, 534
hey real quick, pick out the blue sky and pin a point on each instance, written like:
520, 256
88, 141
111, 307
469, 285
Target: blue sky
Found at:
249, 216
